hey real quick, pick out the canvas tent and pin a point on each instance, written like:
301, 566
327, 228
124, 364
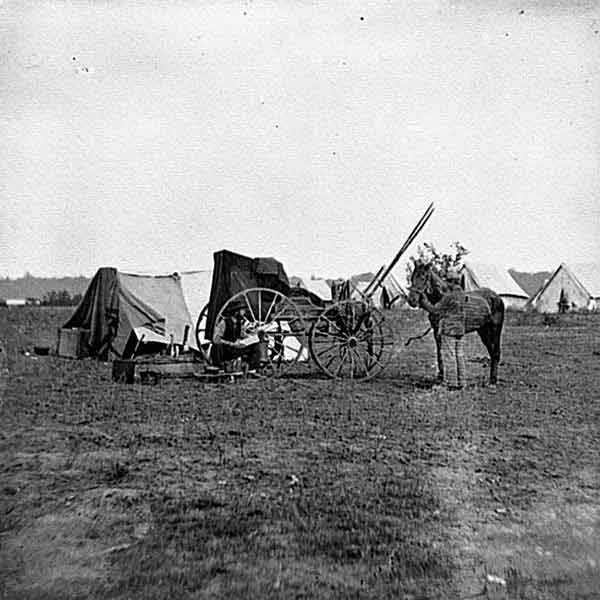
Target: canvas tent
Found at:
498, 279
318, 287
120, 309
385, 296
589, 276
580, 287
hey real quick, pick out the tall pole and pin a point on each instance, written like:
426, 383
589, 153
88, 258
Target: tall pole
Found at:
368, 288
409, 240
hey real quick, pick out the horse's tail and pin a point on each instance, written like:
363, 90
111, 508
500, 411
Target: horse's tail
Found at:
498, 309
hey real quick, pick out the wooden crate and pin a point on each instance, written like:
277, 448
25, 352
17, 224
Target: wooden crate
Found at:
72, 343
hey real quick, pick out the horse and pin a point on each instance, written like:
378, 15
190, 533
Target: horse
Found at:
485, 314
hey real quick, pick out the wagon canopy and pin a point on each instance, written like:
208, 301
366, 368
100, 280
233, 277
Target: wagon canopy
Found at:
234, 273
118, 309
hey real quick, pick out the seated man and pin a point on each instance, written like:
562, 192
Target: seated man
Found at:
232, 340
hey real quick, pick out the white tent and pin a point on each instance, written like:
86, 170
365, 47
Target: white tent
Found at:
589, 276
574, 285
196, 291
319, 287
389, 292
498, 279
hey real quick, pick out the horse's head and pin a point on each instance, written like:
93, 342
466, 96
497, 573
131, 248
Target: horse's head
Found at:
420, 283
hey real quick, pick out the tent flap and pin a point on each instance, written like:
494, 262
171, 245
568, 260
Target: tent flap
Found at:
98, 311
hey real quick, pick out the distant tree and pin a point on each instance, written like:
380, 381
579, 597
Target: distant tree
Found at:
441, 261
62, 298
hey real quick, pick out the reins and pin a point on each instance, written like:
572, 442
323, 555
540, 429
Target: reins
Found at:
417, 337
422, 292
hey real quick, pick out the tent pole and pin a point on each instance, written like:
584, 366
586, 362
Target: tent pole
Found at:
416, 230
368, 288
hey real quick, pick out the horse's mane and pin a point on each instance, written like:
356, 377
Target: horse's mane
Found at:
439, 285
439, 282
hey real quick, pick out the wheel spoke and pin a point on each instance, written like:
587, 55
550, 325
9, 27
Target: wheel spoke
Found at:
329, 348
362, 360
249, 305
270, 308
326, 367
335, 325
325, 334
276, 316
339, 369
351, 364
260, 307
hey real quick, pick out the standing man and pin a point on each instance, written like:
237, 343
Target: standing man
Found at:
451, 312
563, 302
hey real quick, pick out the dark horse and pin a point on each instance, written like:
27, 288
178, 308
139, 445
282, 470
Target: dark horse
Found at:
484, 313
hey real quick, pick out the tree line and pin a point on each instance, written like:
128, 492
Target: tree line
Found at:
60, 298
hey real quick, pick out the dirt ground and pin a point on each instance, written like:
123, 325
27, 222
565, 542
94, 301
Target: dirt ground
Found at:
304, 487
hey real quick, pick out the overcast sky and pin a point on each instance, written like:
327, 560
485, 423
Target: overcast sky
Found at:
146, 137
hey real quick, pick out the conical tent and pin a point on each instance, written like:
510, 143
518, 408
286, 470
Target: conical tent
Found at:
564, 282
121, 309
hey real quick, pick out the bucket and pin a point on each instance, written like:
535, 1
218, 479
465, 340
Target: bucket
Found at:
123, 371
262, 352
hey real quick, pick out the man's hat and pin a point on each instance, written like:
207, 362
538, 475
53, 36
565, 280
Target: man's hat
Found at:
453, 274
233, 307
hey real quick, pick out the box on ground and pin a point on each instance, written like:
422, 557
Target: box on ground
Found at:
72, 343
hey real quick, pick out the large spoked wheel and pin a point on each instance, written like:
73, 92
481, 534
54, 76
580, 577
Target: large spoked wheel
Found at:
274, 318
351, 340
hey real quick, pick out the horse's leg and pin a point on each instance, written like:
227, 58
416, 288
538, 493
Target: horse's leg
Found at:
495, 354
438, 346
490, 336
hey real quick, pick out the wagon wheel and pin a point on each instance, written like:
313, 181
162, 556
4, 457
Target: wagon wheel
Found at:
201, 340
273, 315
350, 339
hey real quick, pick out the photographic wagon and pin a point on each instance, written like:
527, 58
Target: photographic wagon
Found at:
287, 327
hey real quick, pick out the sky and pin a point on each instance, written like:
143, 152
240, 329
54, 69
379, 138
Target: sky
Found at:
146, 137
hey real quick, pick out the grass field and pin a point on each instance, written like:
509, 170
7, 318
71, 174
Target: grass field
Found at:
305, 487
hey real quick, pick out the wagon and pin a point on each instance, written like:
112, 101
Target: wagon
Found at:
347, 338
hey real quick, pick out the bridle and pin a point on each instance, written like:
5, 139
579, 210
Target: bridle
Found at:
426, 288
